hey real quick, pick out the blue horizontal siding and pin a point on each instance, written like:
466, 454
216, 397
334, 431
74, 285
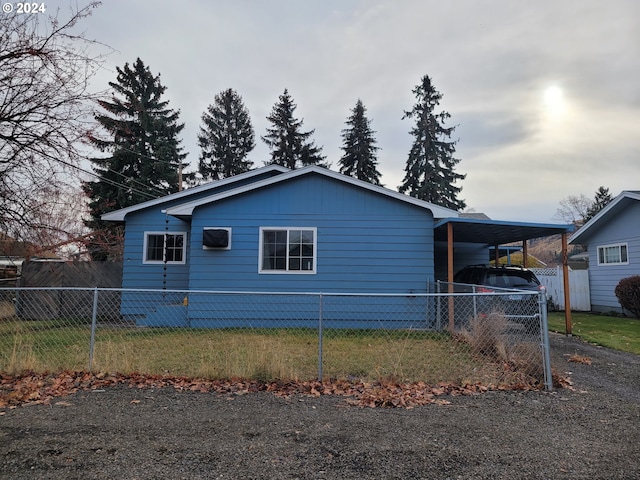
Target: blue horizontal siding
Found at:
366, 242
285, 311
138, 275
603, 279
138, 305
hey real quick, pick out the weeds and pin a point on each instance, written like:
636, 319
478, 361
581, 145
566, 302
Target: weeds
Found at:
485, 335
264, 354
488, 336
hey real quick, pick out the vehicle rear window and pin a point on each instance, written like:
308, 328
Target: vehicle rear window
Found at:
511, 280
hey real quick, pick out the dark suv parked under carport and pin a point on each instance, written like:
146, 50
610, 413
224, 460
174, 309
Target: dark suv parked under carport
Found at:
509, 277
503, 281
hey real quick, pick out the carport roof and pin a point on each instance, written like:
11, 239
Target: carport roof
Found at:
495, 232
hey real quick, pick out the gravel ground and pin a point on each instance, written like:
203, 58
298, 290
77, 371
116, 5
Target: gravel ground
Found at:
591, 432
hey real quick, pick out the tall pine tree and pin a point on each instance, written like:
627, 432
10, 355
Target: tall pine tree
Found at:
430, 169
601, 200
142, 139
290, 147
226, 137
359, 146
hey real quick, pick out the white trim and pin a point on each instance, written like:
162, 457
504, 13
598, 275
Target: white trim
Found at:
164, 250
186, 209
612, 245
287, 229
583, 231
119, 215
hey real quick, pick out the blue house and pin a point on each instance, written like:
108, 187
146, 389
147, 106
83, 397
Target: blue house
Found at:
279, 230
612, 239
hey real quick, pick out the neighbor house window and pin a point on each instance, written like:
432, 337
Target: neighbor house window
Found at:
164, 247
613, 254
287, 250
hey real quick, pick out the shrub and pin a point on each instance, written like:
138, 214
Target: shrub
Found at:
485, 335
628, 293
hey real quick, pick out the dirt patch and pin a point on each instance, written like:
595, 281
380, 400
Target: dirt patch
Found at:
591, 432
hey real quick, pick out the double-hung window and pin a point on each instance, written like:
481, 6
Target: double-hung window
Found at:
288, 250
164, 247
613, 254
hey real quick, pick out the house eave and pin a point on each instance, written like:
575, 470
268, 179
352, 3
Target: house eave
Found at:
119, 215
583, 234
186, 210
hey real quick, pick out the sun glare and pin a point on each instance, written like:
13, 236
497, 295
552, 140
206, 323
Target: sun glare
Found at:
554, 100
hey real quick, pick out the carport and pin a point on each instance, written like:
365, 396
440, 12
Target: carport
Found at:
493, 233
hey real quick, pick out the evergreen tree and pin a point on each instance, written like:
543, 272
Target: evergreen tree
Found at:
359, 146
430, 173
146, 158
601, 199
290, 147
226, 137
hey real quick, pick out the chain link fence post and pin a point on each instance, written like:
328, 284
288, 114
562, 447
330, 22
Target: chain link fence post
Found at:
497, 339
320, 335
546, 349
438, 308
94, 317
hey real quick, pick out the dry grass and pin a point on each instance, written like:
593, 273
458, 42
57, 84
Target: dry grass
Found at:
7, 310
22, 356
487, 335
209, 354
261, 354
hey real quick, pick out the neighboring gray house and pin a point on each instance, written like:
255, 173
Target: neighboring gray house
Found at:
612, 239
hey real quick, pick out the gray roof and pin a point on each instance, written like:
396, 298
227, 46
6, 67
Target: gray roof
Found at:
475, 215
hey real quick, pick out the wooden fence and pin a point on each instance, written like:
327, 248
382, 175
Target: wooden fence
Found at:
579, 294
71, 274
51, 304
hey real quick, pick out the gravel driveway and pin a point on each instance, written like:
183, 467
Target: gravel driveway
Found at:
591, 432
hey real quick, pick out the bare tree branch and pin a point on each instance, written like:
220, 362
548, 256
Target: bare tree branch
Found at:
573, 209
46, 113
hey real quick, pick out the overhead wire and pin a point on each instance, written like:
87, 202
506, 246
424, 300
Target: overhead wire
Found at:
106, 180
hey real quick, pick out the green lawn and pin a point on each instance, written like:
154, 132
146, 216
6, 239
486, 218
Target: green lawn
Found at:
619, 333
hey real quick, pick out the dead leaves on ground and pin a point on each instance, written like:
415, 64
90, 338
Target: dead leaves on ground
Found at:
575, 358
36, 388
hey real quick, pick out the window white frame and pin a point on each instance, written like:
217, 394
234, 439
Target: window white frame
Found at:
165, 248
614, 254
294, 261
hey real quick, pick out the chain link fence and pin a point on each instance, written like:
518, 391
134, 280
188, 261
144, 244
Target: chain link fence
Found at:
457, 335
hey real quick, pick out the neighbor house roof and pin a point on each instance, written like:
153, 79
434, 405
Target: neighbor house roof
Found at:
476, 215
119, 215
615, 206
186, 209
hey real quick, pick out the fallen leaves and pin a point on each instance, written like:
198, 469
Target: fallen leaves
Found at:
562, 381
575, 358
35, 388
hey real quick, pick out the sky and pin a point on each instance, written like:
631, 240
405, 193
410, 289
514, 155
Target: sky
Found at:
544, 95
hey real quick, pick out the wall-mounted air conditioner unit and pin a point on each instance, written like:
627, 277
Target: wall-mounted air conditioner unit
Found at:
216, 238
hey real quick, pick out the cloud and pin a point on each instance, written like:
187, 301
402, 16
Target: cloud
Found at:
491, 60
